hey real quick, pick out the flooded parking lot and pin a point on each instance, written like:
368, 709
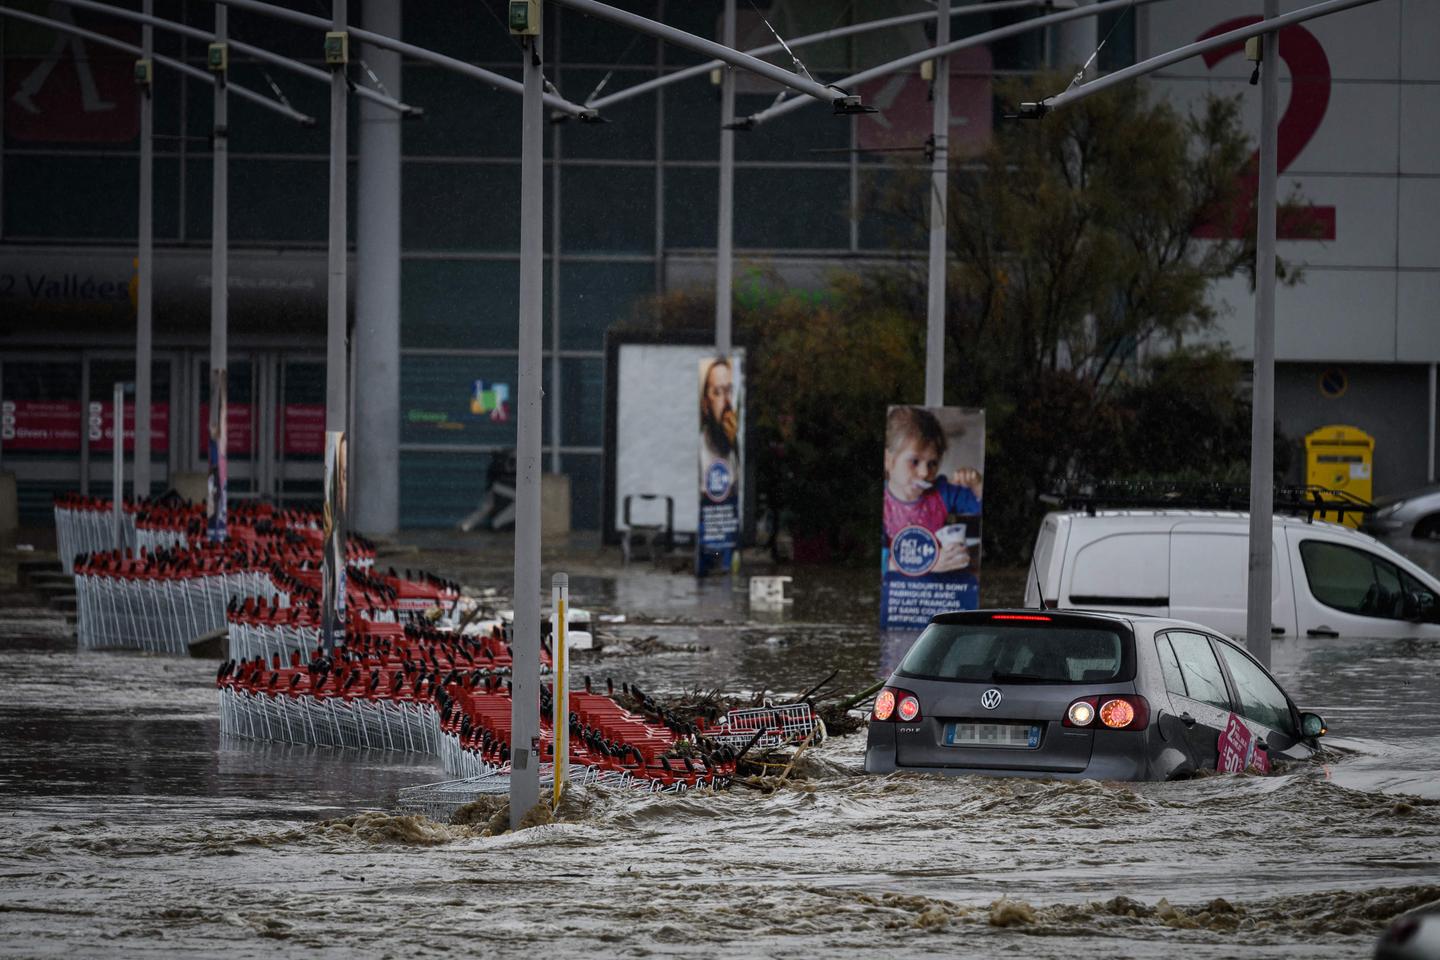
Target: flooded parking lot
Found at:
131, 829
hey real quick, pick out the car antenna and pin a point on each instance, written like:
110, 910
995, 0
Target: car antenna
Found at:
1039, 587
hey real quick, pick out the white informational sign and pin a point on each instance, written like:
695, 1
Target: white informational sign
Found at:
655, 430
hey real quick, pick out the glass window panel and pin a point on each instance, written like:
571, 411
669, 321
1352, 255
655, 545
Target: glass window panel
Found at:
691, 199
75, 196
608, 209
586, 472
451, 206
463, 304
254, 129
1203, 679
1352, 580
1119, 49
440, 489
591, 40
582, 399
701, 19
1260, 699
894, 209
1024, 51
692, 120
595, 295
438, 402
793, 136
780, 207
460, 28
1174, 680
463, 117
271, 201
630, 132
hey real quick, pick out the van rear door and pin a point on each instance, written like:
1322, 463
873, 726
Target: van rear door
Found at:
1128, 572
1210, 576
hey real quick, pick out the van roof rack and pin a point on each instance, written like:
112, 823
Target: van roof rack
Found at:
1308, 501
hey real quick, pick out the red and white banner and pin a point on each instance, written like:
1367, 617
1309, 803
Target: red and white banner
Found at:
101, 427
40, 425
304, 429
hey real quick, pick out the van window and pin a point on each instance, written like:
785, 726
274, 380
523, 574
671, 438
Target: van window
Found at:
1203, 679
1356, 581
1260, 699
982, 653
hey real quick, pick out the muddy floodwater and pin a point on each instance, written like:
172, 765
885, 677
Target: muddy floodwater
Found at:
129, 828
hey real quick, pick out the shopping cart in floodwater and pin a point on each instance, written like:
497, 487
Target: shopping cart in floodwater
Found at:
767, 727
330, 721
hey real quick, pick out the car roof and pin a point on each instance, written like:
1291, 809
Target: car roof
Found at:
1157, 515
1132, 620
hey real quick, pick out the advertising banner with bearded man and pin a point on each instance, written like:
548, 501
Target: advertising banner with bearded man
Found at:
718, 535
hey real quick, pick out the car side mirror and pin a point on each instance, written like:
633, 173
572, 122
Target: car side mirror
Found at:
1312, 725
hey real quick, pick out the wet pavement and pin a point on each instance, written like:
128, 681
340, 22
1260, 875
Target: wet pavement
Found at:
130, 829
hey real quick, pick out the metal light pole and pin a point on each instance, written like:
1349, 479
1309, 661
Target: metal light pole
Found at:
525, 672
144, 294
377, 294
219, 289
939, 187
333, 564
557, 384
1262, 419
725, 244
117, 466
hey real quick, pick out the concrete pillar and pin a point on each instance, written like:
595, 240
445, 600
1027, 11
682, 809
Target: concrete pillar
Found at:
375, 469
1072, 42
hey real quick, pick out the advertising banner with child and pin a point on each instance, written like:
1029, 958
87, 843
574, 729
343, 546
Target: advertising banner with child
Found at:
934, 468
718, 534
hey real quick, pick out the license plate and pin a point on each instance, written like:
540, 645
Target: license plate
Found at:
1022, 736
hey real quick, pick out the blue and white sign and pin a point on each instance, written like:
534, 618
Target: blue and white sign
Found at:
914, 550
721, 439
930, 556
718, 481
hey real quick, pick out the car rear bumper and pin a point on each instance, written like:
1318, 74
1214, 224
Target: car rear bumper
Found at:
1116, 755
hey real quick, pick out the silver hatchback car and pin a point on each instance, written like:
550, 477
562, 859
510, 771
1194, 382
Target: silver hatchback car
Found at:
1415, 514
1081, 695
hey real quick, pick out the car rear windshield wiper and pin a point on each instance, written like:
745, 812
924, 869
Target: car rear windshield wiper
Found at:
1002, 677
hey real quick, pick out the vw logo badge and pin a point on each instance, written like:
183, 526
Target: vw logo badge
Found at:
990, 699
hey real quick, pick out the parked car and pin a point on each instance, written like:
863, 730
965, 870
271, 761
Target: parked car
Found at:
1081, 695
1414, 514
1327, 580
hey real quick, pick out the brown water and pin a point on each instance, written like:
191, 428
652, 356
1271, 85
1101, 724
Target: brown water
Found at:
128, 829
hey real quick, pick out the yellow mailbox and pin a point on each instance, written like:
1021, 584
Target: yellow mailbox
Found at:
1339, 457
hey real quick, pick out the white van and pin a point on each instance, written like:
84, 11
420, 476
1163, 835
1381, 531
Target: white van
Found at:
1328, 580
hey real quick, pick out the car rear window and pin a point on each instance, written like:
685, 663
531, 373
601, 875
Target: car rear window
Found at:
986, 653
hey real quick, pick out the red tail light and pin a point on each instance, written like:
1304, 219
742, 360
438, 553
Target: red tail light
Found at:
1019, 616
892, 703
1117, 711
